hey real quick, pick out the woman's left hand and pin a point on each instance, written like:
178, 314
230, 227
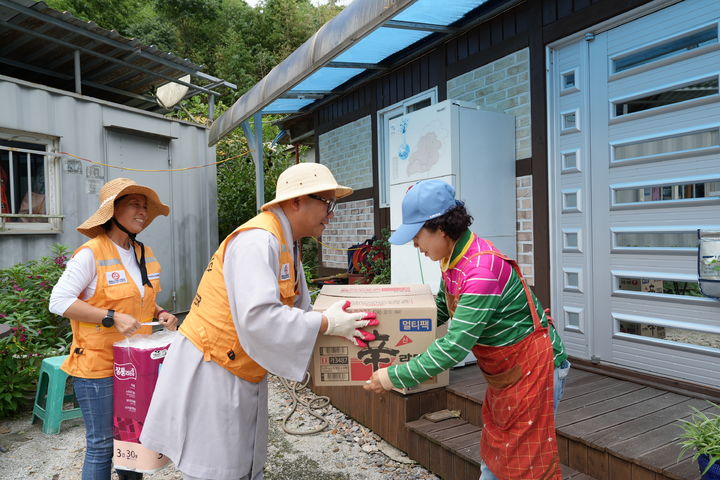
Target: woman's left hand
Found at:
168, 320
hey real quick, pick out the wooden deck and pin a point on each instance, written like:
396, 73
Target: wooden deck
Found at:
608, 428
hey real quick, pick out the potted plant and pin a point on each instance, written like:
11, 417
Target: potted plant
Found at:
702, 434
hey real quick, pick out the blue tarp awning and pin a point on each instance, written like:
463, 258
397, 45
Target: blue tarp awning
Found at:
358, 39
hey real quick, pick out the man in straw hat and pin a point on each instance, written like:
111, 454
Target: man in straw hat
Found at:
108, 291
250, 316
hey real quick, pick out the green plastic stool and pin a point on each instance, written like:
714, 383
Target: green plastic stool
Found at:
50, 396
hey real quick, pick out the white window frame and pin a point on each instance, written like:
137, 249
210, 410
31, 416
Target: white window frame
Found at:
383, 118
53, 167
567, 90
579, 311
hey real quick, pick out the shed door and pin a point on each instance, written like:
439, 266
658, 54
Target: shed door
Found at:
149, 153
635, 162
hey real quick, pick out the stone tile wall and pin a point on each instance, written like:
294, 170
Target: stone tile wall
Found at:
504, 86
352, 224
500, 86
524, 218
347, 152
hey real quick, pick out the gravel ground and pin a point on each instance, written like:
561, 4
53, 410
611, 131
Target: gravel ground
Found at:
344, 450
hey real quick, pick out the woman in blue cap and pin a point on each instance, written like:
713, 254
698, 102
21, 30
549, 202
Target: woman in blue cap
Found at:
493, 314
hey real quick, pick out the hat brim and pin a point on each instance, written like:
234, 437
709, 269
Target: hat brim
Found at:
340, 192
405, 233
93, 226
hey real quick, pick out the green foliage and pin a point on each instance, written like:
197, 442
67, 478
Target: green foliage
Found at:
310, 258
236, 185
111, 14
36, 333
17, 380
231, 39
236, 177
702, 434
377, 264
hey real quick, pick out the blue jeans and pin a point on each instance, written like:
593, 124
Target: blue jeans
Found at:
561, 374
96, 403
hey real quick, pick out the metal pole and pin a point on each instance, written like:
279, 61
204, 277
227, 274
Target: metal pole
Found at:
78, 80
211, 108
259, 162
29, 194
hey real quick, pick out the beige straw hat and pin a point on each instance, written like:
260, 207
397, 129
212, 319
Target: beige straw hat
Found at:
110, 192
303, 179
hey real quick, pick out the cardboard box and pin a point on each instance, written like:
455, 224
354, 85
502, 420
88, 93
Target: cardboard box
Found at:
408, 325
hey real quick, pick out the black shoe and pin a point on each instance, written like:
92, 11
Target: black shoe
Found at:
128, 475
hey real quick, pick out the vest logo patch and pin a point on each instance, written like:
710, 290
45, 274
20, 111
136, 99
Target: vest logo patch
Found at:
116, 277
285, 271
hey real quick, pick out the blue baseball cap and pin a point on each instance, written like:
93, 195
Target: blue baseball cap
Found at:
425, 200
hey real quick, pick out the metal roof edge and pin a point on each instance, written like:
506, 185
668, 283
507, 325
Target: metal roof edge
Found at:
496, 9
354, 22
100, 101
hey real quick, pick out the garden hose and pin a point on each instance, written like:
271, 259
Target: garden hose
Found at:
318, 402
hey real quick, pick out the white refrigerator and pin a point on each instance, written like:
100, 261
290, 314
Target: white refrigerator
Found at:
473, 150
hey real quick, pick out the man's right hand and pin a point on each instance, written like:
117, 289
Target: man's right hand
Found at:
126, 324
346, 324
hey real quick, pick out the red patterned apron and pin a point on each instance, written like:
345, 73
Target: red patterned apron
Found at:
518, 438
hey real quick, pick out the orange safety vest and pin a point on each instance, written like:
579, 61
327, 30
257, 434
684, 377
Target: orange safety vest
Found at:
91, 352
209, 325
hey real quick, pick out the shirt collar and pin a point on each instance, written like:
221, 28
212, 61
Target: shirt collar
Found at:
287, 229
461, 246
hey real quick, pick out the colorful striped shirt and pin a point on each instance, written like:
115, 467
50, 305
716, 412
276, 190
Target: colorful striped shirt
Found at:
492, 309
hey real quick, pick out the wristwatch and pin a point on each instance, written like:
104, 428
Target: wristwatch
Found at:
109, 319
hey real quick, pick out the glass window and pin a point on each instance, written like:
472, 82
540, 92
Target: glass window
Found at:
570, 161
656, 239
572, 280
677, 192
658, 285
571, 240
417, 106
679, 335
674, 144
568, 80
28, 179
677, 94
570, 201
569, 121
572, 319
668, 48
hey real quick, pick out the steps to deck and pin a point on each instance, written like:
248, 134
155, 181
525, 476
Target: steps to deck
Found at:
607, 428
460, 441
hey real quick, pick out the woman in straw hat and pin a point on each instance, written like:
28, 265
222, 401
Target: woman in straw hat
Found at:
493, 314
250, 316
108, 291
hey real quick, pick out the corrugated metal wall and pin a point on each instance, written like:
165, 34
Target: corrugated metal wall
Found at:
117, 135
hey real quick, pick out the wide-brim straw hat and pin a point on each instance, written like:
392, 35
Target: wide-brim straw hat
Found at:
303, 179
111, 191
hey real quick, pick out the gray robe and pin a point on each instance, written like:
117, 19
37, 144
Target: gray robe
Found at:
210, 423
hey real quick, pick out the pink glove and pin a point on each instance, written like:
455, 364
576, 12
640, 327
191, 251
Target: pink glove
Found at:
348, 324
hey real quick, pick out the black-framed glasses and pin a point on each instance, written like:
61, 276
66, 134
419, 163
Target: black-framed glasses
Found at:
331, 204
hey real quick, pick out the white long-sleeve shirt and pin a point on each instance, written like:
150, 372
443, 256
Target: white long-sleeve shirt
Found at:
80, 278
223, 434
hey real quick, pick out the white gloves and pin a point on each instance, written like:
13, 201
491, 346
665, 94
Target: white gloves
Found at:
348, 325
